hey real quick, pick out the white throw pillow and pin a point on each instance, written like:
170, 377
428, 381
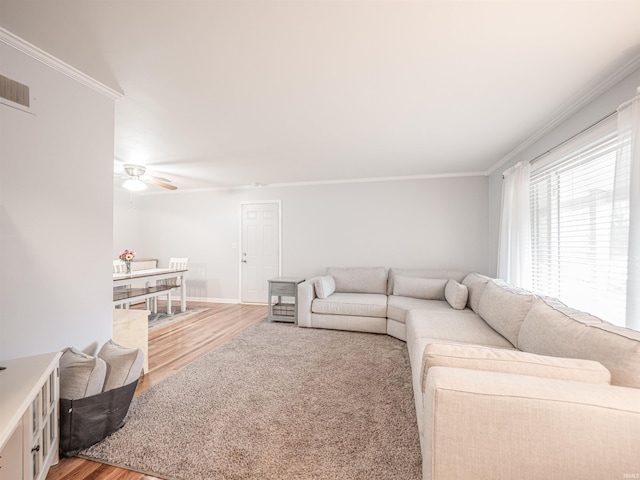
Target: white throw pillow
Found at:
324, 286
423, 288
456, 295
124, 365
81, 375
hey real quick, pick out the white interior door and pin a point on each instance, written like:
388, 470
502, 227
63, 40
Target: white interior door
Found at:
260, 255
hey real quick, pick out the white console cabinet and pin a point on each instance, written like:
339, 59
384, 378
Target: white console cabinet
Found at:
29, 432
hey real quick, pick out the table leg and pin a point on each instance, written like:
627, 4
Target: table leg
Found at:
183, 294
168, 302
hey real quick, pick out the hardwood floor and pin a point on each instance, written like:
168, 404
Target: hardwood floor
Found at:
171, 348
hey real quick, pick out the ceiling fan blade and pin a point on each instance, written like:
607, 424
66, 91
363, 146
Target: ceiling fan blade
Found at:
158, 179
154, 181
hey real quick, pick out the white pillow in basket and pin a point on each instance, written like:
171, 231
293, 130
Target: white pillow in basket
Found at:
81, 375
124, 364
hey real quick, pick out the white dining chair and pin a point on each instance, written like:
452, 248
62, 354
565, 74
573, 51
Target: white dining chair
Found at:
175, 263
119, 266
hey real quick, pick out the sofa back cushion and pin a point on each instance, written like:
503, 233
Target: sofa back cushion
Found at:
552, 328
504, 307
475, 283
359, 280
423, 288
422, 273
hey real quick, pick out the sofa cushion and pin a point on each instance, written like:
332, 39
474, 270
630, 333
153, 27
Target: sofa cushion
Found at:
422, 273
324, 286
477, 357
456, 295
475, 283
359, 304
81, 375
359, 280
457, 326
504, 307
398, 307
124, 364
552, 328
423, 288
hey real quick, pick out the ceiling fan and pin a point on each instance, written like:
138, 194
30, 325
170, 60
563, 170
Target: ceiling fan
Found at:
137, 180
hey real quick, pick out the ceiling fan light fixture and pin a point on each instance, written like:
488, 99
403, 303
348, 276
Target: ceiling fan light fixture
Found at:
134, 185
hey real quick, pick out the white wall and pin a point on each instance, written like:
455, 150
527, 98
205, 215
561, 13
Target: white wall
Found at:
591, 113
434, 223
56, 207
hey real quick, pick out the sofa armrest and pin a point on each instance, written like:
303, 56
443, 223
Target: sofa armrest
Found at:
490, 426
306, 295
479, 357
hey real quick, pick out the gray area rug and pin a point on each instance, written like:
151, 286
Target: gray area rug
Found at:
277, 402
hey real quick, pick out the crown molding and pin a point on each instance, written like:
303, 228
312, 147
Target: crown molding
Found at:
581, 101
316, 183
57, 64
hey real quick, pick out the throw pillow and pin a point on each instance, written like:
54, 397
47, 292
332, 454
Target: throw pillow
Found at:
423, 288
124, 364
81, 375
324, 286
475, 357
456, 295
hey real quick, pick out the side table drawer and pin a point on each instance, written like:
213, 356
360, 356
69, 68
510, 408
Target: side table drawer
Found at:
283, 289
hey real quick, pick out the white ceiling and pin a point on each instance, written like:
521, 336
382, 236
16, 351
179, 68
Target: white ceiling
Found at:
230, 93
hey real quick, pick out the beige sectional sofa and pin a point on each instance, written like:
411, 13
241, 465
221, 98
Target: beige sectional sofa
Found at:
511, 385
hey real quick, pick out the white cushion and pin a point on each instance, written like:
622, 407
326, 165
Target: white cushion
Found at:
504, 307
456, 294
324, 286
415, 287
124, 364
476, 284
423, 273
552, 328
398, 307
357, 304
359, 280
81, 375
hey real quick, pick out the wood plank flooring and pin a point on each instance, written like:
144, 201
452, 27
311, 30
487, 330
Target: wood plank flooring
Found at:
171, 348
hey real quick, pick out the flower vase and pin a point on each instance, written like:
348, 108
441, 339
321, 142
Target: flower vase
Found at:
127, 264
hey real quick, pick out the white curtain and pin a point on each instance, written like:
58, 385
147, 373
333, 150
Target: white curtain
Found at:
514, 247
627, 185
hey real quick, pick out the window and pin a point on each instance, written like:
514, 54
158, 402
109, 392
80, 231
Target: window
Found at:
578, 239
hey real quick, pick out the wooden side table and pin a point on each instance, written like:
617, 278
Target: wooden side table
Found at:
284, 310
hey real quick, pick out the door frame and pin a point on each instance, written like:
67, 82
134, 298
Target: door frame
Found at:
240, 243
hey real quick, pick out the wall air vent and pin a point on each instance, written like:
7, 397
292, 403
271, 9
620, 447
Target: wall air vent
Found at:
13, 91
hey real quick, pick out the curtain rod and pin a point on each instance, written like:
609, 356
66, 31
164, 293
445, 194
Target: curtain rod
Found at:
584, 130
606, 117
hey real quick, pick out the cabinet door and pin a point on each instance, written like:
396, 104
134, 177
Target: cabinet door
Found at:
11, 461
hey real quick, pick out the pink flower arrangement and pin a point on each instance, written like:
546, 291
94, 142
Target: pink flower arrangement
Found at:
127, 255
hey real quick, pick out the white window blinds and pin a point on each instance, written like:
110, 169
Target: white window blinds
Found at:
578, 240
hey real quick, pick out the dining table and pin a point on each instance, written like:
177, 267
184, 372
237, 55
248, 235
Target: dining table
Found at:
127, 287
